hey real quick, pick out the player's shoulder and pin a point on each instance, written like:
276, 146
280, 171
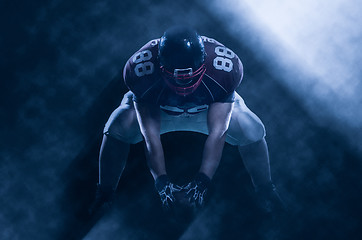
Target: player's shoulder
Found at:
222, 64
210, 41
147, 53
141, 69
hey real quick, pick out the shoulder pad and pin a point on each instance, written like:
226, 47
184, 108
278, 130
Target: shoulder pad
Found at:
222, 65
142, 69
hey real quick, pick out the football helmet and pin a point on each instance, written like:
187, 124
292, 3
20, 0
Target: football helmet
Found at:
182, 54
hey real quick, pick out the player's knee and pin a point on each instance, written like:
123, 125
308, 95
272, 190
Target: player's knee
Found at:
248, 131
256, 132
242, 135
123, 134
124, 127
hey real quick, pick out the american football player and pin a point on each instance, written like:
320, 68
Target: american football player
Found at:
184, 82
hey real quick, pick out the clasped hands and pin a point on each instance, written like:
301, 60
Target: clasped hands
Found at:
192, 194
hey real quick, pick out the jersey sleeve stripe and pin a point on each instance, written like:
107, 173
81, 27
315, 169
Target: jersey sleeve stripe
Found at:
216, 82
150, 88
212, 96
159, 95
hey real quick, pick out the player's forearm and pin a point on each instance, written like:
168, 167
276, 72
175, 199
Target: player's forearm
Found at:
212, 154
218, 119
155, 157
148, 117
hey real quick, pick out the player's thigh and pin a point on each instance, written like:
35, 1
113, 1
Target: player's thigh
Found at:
245, 126
123, 124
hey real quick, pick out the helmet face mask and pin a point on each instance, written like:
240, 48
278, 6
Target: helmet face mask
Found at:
183, 76
186, 83
182, 55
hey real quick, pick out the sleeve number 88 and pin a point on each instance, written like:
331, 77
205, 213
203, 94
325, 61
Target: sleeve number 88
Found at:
144, 67
223, 59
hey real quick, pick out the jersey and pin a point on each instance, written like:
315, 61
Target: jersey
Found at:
224, 72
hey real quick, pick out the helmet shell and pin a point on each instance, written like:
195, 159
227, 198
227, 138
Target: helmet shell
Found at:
182, 54
181, 48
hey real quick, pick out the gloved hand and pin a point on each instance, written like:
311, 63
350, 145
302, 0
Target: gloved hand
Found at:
166, 190
196, 190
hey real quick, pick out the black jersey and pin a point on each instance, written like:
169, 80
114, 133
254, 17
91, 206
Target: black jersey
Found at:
224, 72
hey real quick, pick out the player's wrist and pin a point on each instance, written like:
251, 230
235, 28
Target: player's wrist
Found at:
161, 181
202, 180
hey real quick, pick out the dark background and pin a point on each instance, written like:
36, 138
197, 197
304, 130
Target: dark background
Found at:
61, 65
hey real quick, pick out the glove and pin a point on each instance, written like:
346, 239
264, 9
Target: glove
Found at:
166, 189
196, 190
